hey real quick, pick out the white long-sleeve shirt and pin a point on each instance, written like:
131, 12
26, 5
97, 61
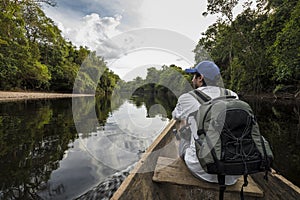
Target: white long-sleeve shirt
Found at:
188, 104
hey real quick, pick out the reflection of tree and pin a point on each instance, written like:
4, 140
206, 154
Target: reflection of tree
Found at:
91, 112
84, 115
153, 96
159, 91
279, 123
33, 138
103, 108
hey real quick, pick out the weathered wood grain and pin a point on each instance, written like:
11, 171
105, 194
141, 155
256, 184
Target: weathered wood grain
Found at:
174, 171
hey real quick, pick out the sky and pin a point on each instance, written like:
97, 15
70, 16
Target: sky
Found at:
132, 35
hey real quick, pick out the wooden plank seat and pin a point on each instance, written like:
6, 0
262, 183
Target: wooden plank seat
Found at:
174, 171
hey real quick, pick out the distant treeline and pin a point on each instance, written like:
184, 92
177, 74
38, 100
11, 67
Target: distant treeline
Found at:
35, 56
170, 80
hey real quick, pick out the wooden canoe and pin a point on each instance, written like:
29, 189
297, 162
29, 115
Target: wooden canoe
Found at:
160, 174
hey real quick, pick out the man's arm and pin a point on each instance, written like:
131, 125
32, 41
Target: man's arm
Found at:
186, 104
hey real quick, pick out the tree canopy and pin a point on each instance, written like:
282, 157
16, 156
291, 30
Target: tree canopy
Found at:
258, 50
35, 56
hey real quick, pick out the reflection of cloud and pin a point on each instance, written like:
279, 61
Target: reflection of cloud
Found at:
126, 132
133, 122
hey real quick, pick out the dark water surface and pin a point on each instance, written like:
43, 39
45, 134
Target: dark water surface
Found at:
279, 122
44, 154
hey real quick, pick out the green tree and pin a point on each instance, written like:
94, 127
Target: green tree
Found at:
286, 56
35, 56
254, 48
152, 75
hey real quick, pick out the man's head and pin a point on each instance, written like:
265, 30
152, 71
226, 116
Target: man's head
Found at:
205, 73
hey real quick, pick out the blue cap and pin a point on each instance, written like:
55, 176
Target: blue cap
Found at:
207, 68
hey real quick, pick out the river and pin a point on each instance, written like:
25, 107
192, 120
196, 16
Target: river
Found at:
59, 149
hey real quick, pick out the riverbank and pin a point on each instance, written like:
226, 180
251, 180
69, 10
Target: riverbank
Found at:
15, 96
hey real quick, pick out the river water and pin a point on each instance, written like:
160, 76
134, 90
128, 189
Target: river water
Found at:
59, 149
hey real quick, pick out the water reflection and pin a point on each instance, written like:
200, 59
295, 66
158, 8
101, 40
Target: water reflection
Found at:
33, 137
157, 102
280, 123
126, 132
44, 154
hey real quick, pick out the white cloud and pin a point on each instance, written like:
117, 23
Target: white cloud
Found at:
129, 9
90, 30
184, 17
139, 48
96, 23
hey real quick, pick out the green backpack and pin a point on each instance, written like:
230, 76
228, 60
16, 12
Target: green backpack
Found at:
229, 141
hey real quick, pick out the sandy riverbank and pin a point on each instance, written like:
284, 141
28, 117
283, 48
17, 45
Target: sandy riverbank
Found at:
14, 96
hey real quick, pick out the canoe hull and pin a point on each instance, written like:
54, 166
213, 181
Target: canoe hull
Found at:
139, 184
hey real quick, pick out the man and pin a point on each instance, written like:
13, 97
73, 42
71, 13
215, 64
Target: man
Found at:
207, 79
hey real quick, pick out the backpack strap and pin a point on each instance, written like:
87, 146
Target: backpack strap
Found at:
221, 181
267, 162
222, 186
244, 185
200, 96
224, 92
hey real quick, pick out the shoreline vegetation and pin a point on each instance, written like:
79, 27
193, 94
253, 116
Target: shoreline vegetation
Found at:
17, 96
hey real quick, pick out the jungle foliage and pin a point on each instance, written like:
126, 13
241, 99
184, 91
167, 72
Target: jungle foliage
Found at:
35, 56
258, 50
